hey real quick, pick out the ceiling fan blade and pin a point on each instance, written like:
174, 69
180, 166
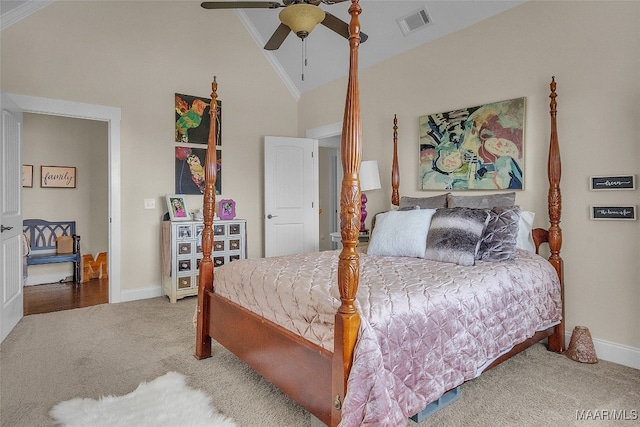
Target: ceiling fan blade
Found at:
340, 27
277, 38
240, 5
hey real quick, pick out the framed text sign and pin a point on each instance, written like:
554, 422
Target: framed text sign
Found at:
614, 182
57, 177
613, 212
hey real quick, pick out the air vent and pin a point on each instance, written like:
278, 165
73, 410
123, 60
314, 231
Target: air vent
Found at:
414, 21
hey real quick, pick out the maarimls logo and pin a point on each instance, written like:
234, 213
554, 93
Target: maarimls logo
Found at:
606, 415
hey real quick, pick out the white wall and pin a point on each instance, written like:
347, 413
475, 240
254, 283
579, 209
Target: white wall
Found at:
136, 56
593, 49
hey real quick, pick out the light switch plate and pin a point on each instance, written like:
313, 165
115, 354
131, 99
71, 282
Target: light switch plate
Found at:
149, 203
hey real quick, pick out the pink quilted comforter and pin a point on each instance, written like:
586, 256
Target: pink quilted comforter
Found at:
426, 326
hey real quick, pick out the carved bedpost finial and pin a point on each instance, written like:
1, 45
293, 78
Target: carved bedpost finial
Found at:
354, 25
554, 171
210, 171
553, 95
395, 174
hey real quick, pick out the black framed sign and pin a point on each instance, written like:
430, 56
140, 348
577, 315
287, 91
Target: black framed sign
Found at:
614, 182
613, 212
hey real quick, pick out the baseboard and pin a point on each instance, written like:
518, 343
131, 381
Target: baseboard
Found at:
40, 279
145, 293
613, 352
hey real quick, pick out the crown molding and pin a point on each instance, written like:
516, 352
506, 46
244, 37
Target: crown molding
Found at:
22, 11
269, 55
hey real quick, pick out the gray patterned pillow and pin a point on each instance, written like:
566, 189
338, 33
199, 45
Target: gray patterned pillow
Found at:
486, 201
499, 239
454, 235
433, 202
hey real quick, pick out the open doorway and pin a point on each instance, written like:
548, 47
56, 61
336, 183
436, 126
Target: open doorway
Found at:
111, 116
82, 145
328, 191
330, 177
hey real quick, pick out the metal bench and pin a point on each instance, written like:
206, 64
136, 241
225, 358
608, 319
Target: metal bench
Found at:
42, 236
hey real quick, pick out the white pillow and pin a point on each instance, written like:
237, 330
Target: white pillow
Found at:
525, 226
401, 233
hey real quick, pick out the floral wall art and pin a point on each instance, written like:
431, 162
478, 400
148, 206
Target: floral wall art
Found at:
477, 148
192, 124
193, 119
189, 170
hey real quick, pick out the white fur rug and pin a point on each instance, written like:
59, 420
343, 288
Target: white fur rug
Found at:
166, 401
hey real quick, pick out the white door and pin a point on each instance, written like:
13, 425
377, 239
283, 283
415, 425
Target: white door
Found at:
11, 305
290, 195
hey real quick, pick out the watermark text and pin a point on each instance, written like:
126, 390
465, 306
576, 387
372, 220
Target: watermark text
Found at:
606, 414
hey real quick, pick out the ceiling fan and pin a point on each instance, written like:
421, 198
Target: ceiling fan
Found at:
299, 16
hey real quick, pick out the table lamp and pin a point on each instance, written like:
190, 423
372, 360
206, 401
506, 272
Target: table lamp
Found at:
369, 180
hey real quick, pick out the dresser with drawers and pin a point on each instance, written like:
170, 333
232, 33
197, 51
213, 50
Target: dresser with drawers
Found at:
184, 241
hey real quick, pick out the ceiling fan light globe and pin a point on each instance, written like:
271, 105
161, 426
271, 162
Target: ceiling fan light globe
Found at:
301, 18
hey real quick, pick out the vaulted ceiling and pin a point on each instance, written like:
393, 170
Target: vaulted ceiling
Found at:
380, 20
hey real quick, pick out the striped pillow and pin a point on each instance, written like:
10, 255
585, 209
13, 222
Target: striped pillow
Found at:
454, 235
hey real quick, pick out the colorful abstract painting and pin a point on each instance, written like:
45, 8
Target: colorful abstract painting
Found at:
189, 173
477, 148
193, 119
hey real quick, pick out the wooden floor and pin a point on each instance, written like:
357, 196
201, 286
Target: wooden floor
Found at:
65, 296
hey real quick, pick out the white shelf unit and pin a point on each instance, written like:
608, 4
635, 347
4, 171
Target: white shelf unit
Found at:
229, 244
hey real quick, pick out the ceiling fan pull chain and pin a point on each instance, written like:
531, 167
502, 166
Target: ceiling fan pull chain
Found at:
304, 57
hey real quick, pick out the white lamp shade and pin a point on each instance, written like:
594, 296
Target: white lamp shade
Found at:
369, 176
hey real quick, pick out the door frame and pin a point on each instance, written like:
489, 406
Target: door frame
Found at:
326, 139
111, 115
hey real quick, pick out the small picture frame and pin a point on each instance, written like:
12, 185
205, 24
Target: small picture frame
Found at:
614, 212
27, 176
57, 177
612, 182
226, 209
177, 206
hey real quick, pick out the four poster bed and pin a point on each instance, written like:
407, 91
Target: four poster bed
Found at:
397, 331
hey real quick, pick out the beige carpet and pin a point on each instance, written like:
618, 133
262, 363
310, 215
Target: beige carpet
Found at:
110, 349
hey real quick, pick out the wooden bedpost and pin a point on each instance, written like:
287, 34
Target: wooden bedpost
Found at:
205, 280
395, 173
347, 318
556, 341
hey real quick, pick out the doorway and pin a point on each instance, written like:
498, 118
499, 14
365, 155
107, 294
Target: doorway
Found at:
329, 196
111, 116
330, 178
80, 144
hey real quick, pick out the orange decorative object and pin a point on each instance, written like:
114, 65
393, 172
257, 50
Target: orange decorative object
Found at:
94, 269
